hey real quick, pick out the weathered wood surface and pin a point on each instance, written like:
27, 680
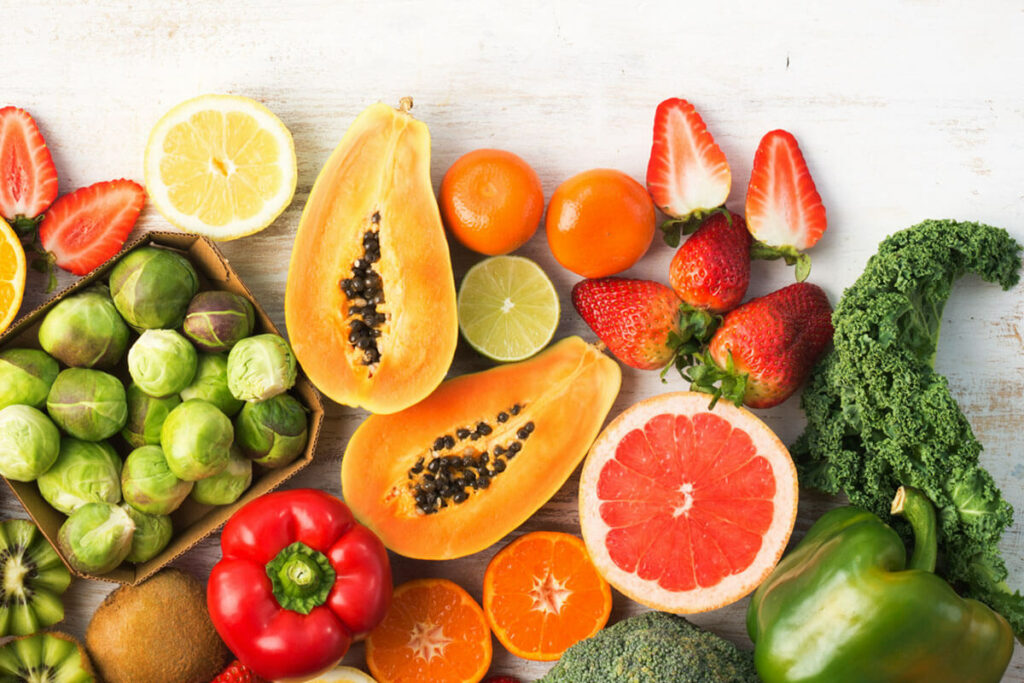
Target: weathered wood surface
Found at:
904, 110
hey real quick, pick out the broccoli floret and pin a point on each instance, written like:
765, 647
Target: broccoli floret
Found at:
654, 647
879, 416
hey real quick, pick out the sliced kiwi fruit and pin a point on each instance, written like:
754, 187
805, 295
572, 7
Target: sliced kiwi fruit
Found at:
45, 658
32, 579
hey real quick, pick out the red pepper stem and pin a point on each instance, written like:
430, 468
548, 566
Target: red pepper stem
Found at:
301, 578
914, 506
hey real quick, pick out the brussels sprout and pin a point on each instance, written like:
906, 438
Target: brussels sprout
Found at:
272, 432
211, 384
228, 486
162, 362
216, 320
29, 443
152, 287
25, 377
85, 472
149, 485
96, 537
196, 438
85, 330
261, 367
152, 534
146, 416
87, 404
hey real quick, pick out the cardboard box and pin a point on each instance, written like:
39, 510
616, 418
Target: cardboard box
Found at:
192, 521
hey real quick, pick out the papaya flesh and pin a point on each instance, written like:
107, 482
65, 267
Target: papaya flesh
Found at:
454, 473
370, 299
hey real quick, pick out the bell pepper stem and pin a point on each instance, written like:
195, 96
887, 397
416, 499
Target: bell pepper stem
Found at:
301, 578
914, 506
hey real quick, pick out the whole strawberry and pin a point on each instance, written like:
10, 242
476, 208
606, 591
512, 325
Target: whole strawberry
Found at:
236, 672
765, 349
638, 320
711, 270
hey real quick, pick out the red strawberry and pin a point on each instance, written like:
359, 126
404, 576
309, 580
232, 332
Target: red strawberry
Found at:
784, 211
28, 179
236, 672
765, 349
711, 270
85, 228
687, 175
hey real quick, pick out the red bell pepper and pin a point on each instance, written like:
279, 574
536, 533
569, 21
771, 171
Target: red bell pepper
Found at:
298, 581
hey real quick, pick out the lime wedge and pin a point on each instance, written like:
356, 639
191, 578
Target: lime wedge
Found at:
508, 309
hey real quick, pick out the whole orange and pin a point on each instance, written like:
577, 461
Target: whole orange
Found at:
492, 201
600, 222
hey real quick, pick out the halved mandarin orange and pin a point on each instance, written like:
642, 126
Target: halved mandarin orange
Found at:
434, 631
542, 594
12, 275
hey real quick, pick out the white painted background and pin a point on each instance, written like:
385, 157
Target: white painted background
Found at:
904, 110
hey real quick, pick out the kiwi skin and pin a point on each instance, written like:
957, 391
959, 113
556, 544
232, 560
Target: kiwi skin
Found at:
156, 632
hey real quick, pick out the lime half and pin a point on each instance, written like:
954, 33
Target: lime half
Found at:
508, 309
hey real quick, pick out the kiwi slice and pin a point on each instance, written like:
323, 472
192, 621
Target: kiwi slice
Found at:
45, 658
32, 579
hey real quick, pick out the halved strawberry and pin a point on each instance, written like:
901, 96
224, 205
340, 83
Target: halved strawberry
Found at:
28, 178
688, 176
85, 228
784, 210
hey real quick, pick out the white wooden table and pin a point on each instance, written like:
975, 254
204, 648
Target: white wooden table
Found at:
904, 110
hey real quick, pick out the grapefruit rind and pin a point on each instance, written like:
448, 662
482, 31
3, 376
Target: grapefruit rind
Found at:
733, 587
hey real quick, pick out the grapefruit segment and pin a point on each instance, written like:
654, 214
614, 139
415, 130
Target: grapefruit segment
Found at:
686, 509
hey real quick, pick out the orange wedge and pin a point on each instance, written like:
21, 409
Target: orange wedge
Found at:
12, 275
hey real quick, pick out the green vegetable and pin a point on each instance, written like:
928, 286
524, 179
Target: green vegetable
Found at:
149, 485
845, 606
211, 384
196, 439
162, 362
85, 472
653, 647
146, 416
217, 320
228, 486
879, 416
152, 534
25, 377
29, 443
261, 367
85, 330
96, 537
88, 404
272, 432
151, 288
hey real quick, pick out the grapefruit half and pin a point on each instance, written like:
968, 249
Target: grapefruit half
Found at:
686, 509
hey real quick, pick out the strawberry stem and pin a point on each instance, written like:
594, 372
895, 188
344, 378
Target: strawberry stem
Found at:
765, 252
43, 261
674, 228
24, 226
709, 378
694, 330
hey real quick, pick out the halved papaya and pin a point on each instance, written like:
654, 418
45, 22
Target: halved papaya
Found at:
370, 300
454, 473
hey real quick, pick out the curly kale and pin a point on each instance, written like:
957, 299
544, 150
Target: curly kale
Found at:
878, 415
654, 647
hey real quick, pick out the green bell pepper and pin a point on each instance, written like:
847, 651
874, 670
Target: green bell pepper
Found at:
845, 605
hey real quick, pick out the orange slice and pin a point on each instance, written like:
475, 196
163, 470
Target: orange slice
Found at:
542, 594
435, 632
12, 275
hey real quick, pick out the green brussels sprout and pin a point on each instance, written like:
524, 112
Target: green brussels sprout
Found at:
29, 443
85, 472
25, 377
162, 362
211, 384
261, 367
196, 438
228, 486
146, 416
87, 404
151, 287
152, 534
272, 432
217, 320
148, 484
85, 330
96, 537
